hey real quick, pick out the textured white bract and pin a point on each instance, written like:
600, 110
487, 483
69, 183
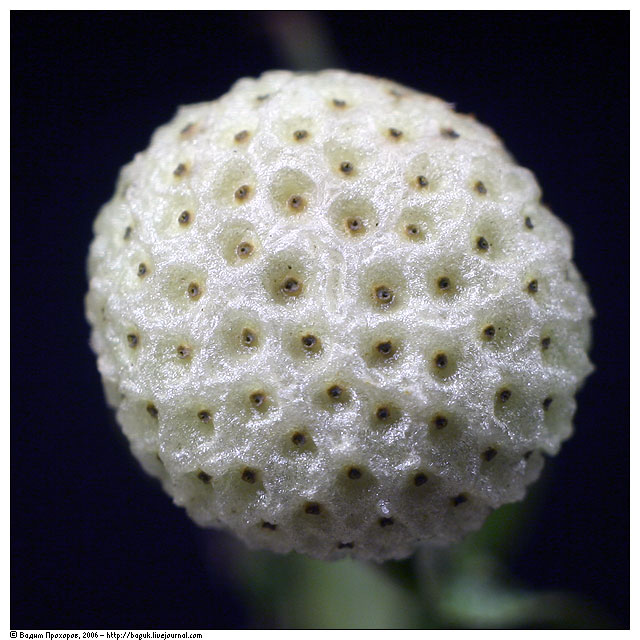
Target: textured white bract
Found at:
333, 316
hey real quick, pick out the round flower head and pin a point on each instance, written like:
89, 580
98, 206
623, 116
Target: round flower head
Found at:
334, 317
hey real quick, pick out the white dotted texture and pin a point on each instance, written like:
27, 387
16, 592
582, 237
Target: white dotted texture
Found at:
334, 317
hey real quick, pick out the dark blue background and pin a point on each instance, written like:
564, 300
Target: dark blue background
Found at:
97, 545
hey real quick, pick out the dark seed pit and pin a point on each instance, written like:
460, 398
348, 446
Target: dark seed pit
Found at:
355, 225
242, 192
180, 170
312, 508
450, 133
335, 391
441, 360
480, 188
346, 167
440, 422
258, 398
296, 203
383, 413
489, 332
152, 410
298, 439
420, 479
244, 250
193, 290
489, 454
248, 337
482, 243
385, 348
249, 476
354, 473
184, 352
291, 287
309, 341
241, 136
384, 295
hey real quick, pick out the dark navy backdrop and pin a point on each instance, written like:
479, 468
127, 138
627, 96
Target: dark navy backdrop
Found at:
97, 545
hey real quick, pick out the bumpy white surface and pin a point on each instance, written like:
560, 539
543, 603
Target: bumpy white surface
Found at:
336, 358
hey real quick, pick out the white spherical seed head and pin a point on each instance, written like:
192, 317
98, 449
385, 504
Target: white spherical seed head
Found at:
334, 317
